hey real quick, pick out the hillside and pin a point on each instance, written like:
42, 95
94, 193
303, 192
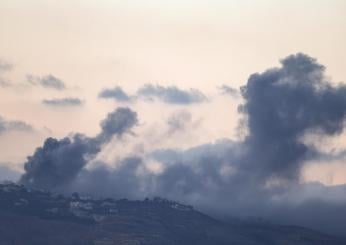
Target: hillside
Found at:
36, 217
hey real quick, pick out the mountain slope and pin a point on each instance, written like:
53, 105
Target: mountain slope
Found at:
37, 217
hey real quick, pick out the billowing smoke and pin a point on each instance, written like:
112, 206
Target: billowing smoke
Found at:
117, 123
282, 105
58, 162
257, 176
8, 174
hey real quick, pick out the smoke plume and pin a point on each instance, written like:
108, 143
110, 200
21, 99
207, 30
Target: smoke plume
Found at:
58, 162
257, 176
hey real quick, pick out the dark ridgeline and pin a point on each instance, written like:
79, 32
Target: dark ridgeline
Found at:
34, 217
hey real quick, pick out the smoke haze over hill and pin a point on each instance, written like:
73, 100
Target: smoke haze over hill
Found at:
259, 175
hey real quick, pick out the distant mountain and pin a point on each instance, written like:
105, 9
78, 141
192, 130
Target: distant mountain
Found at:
35, 217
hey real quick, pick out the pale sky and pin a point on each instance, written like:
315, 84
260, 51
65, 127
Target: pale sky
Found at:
91, 45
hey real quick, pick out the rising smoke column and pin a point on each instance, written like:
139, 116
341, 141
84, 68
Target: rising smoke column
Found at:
58, 162
282, 105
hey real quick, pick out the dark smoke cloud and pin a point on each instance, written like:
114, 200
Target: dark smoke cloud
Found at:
117, 123
258, 176
8, 174
48, 81
339, 155
63, 102
284, 104
169, 95
58, 162
14, 125
326, 213
116, 93
128, 180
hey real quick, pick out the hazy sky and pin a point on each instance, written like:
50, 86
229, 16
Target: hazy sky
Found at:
91, 45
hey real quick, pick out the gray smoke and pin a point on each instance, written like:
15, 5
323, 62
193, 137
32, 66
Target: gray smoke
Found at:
117, 123
227, 90
169, 94
178, 121
116, 93
48, 81
258, 176
126, 181
14, 125
8, 174
58, 162
69, 101
284, 104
